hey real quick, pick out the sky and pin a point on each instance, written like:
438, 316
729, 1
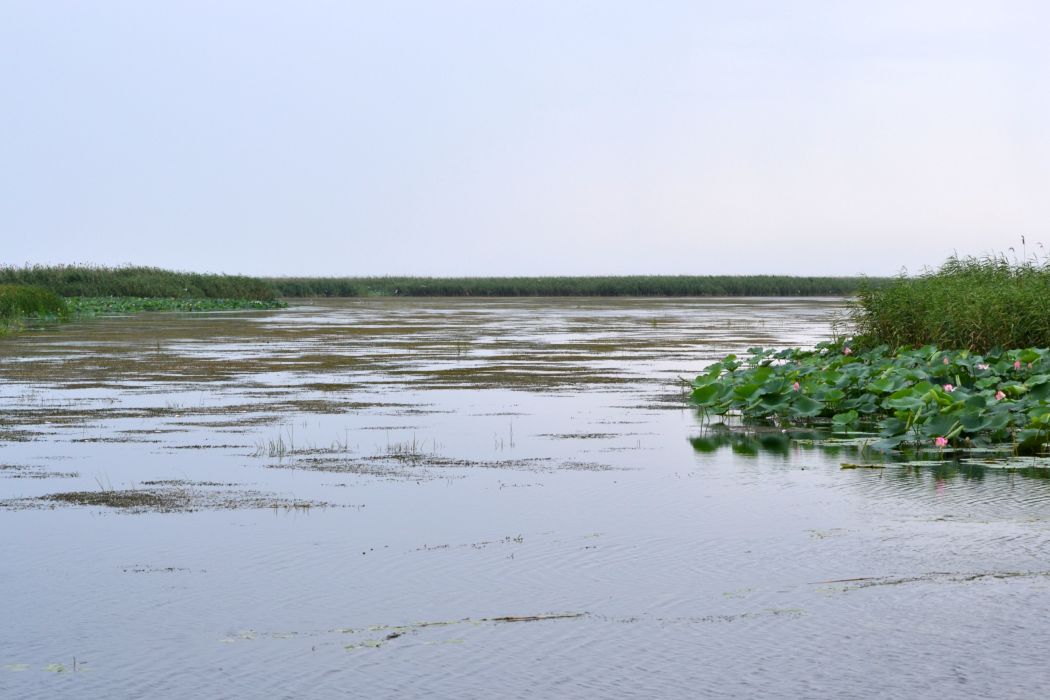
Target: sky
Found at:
538, 137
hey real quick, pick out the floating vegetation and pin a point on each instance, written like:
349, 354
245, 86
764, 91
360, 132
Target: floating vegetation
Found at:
94, 306
163, 499
429, 633
143, 569
849, 584
23, 471
927, 399
18, 435
376, 636
137, 499
419, 465
724, 618
509, 539
582, 436
183, 483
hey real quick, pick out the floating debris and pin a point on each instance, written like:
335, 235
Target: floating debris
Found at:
163, 500
931, 577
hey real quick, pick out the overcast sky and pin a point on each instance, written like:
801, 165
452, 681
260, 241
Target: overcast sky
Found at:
449, 137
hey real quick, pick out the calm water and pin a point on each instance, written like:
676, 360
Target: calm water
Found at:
492, 498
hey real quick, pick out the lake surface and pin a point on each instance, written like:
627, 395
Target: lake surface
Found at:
459, 498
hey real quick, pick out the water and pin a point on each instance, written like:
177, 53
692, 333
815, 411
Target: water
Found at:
479, 498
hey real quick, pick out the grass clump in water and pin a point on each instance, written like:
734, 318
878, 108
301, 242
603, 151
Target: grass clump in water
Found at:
143, 499
20, 302
973, 303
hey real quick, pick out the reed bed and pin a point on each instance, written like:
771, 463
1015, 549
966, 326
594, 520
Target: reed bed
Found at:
968, 303
22, 301
141, 282
639, 286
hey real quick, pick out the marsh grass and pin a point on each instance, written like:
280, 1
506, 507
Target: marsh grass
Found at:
21, 302
408, 449
38, 292
98, 281
94, 306
275, 447
973, 303
599, 286
155, 283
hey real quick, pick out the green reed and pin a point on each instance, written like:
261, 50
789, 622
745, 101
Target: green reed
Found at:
18, 302
973, 303
623, 286
97, 281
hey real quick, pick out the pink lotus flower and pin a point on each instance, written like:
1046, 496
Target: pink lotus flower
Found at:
999, 396
949, 388
941, 442
795, 387
847, 351
1017, 364
945, 359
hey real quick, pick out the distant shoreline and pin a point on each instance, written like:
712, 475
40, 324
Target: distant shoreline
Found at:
150, 282
598, 286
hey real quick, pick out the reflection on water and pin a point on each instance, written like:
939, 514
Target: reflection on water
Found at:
464, 498
791, 442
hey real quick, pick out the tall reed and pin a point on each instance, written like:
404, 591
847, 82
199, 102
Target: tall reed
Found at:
969, 302
151, 282
640, 286
22, 301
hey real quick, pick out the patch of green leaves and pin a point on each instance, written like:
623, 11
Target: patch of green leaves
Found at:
92, 306
913, 396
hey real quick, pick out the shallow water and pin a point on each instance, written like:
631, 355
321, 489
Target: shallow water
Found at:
480, 498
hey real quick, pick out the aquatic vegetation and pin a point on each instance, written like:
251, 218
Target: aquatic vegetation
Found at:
24, 471
923, 396
973, 303
151, 282
184, 497
20, 302
634, 286
400, 462
857, 583
378, 635
927, 398
94, 306
98, 281
276, 448
81, 307
388, 633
